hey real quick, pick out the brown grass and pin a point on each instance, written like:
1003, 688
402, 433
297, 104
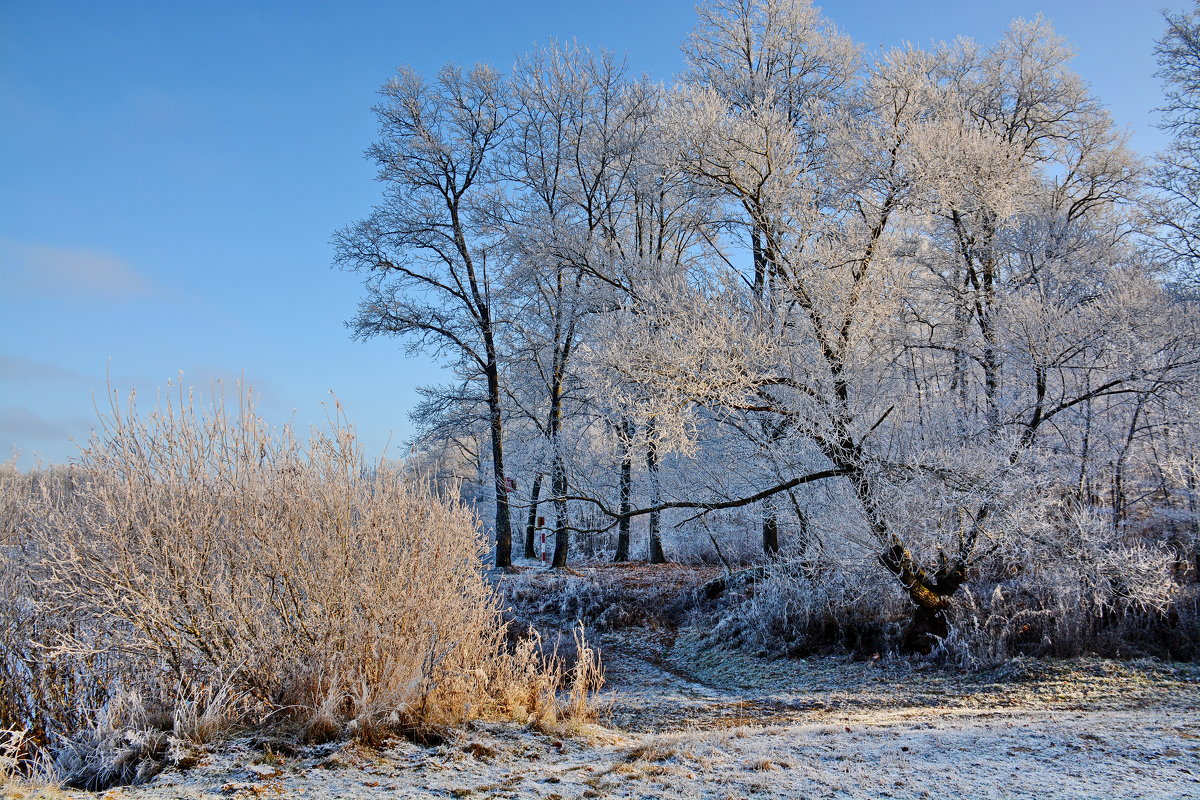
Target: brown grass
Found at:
233, 575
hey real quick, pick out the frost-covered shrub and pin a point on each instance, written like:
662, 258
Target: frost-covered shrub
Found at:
801, 607
1092, 596
41, 692
1086, 591
603, 598
224, 574
1064, 612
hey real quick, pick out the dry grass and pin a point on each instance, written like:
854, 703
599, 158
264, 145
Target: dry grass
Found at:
200, 571
23, 775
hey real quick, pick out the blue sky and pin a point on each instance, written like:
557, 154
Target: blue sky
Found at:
171, 173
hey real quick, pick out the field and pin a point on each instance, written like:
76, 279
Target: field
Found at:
678, 720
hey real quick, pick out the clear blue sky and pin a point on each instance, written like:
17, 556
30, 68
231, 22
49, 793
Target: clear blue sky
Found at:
171, 172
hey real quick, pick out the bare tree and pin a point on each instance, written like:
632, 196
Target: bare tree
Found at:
579, 124
425, 250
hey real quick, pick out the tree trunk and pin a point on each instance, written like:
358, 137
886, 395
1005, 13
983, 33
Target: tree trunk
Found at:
625, 434
531, 524
1118, 478
770, 531
925, 629
561, 518
503, 519
558, 471
656, 554
1189, 477
760, 265
929, 593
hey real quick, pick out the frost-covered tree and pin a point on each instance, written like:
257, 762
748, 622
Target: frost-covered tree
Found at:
579, 130
1177, 173
760, 75
948, 279
890, 311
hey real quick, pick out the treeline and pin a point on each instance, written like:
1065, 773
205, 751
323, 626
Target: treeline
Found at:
913, 315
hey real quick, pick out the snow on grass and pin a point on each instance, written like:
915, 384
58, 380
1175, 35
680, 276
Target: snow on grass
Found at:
821, 728
900, 754
682, 720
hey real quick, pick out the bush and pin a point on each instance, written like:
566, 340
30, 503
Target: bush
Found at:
801, 608
1116, 600
221, 574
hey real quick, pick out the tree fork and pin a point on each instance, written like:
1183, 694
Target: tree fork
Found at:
931, 596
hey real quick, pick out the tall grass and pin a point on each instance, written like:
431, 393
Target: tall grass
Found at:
201, 571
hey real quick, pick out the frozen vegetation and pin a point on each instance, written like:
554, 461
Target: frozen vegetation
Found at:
196, 574
843, 404
681, 719
906, 329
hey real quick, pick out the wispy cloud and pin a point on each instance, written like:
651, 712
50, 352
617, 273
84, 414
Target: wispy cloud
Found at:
75, 271
26, 371
21, 426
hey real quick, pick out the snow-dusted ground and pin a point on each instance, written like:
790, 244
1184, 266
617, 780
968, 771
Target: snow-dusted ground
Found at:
1149, 753
679, 721
1087, 729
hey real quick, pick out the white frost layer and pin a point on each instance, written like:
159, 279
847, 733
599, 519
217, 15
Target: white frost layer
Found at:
890, 753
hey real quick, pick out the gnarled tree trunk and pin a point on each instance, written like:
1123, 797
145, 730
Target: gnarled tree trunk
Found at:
930, 594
